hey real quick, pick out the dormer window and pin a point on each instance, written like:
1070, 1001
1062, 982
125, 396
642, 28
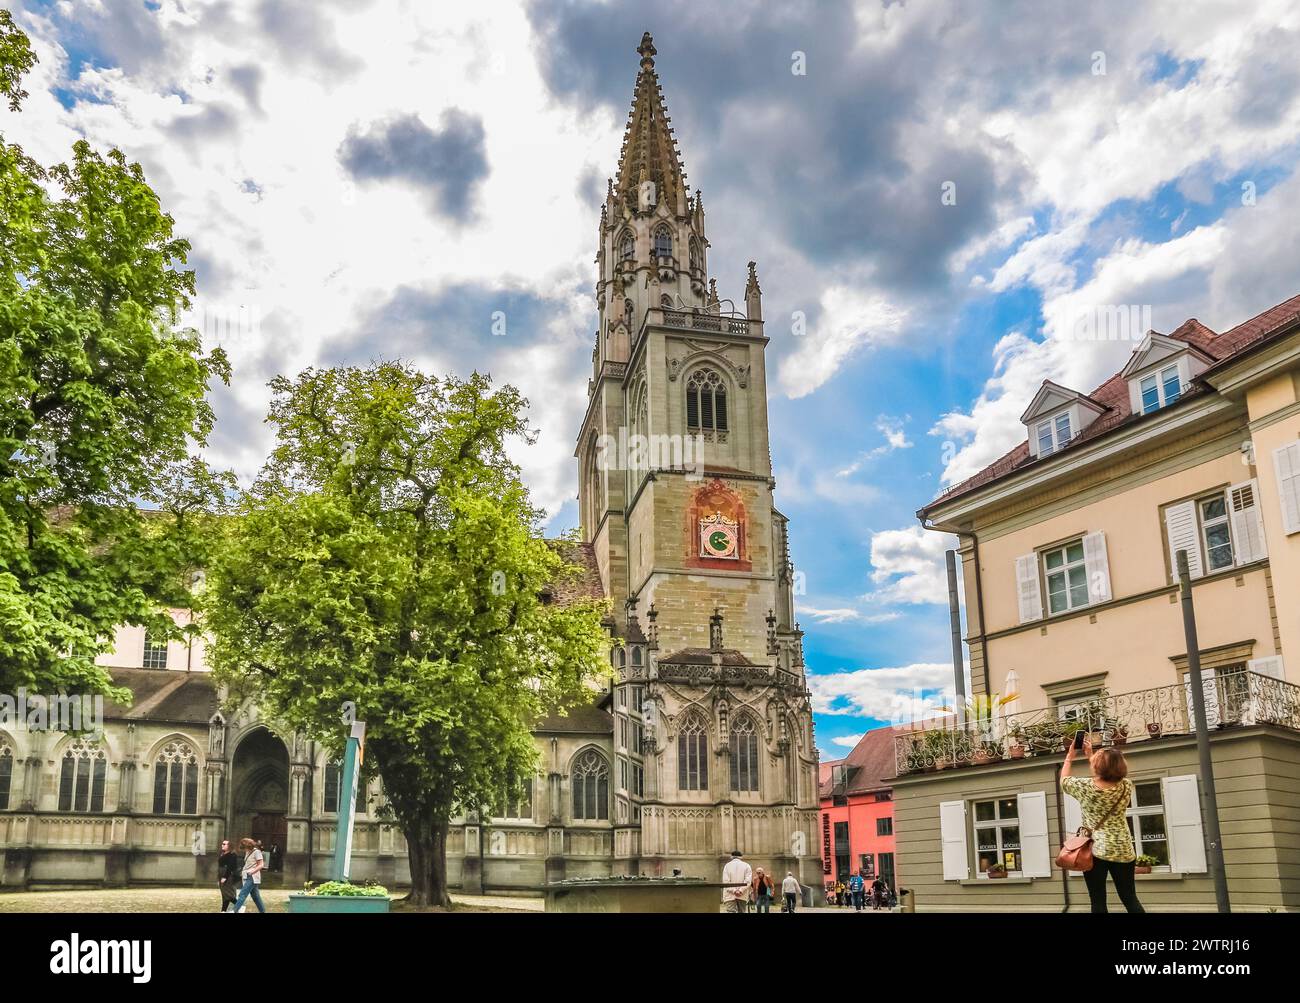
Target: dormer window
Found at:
1160, 389
1054, 434
1056, 417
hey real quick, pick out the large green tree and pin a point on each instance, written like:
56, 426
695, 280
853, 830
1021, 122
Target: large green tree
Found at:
388, 559
100, 394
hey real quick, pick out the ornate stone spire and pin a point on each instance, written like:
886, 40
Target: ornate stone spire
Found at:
753, 295
649, 150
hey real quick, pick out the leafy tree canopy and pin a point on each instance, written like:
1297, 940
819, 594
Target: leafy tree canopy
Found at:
100, 396
388, 559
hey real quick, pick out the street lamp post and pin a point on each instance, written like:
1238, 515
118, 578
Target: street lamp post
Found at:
1210, 800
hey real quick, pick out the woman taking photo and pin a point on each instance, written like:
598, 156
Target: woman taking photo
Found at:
1105, 798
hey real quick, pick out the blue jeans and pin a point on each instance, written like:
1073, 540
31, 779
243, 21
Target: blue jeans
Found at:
764, 903
250, 888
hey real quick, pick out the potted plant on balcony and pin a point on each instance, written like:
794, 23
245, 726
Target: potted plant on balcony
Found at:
997, 871
938, 747
1119, 734
1154, 728
1144, 864
339, 896
1017, 748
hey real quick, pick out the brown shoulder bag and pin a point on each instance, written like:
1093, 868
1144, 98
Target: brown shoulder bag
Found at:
1076, 851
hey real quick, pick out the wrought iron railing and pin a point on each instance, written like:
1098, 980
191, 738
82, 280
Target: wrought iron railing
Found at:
1232, 699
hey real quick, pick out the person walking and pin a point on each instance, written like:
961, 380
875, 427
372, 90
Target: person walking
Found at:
254, 864
228, 879
763, 890
877, 893
1104, 798
790, 889
736, 878
856, 887
841, 894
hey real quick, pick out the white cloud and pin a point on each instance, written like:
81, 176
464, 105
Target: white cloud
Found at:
851, 319
898, 694
844, 614
847, 741
908, 566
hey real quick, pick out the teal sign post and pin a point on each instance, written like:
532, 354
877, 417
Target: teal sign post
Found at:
352, 759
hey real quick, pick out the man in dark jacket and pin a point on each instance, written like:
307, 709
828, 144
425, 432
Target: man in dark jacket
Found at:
228, 868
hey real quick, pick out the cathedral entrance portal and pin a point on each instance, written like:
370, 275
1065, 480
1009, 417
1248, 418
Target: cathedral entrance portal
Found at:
260, 802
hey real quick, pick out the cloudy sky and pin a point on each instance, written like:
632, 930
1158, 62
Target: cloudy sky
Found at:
941, 190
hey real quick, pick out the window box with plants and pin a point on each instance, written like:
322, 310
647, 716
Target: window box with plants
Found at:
996, 871
339, 896
1144, 864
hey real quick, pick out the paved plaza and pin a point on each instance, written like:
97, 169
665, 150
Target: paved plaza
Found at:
164, 900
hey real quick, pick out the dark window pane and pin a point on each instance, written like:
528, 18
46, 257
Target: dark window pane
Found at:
1148, 795
192, 789
160, 789
97, 788
706, 408
65, 784
6, 776
81, 797
720, 407
693, 407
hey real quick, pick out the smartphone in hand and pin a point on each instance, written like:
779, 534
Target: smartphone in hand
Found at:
1078, 741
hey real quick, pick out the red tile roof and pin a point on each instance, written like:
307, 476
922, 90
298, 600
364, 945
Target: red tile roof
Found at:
871, 764
1114, 396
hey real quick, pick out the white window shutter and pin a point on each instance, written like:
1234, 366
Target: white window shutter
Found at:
1180, 524
1071, 814
1097, 567
1259, 709
952, 831
1248, 542
1210, 688
1286, 461
1031, 597
1035, 855
1183, 824
1270, 666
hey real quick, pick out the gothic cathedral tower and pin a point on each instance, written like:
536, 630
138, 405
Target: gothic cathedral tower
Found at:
713, 724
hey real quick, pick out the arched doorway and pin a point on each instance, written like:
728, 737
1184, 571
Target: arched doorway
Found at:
260, 788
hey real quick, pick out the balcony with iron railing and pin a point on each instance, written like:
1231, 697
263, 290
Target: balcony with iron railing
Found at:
1232, 700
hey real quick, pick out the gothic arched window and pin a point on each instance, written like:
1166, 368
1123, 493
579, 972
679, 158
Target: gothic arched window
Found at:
6, 772
82, 777
176, 780
744, 755
334, 792
590, 783
693, 757
706, 401
627, 247
663, 242
694, 254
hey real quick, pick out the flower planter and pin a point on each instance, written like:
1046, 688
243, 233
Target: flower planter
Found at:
301, 903
1017, 752
1141, 869
995, 875
982, 757
1154, 729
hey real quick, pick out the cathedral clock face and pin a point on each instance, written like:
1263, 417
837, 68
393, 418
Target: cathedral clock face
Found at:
718, 537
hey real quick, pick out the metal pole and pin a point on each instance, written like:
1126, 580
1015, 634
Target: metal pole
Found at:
954, 617
1209, 798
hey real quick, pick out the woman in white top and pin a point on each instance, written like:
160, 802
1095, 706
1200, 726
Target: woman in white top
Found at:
254, 863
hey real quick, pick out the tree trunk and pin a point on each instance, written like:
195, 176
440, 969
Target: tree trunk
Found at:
426, 846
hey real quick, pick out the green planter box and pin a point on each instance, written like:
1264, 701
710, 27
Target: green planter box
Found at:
301, 903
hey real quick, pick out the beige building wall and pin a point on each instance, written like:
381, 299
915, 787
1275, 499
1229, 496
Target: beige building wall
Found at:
1257, 772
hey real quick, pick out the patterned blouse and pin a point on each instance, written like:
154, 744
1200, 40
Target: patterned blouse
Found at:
1112, 841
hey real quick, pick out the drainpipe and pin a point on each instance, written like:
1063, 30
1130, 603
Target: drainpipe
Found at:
1060, 837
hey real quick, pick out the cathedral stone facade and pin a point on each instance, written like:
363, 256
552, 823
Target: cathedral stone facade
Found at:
713, 732
701, 743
